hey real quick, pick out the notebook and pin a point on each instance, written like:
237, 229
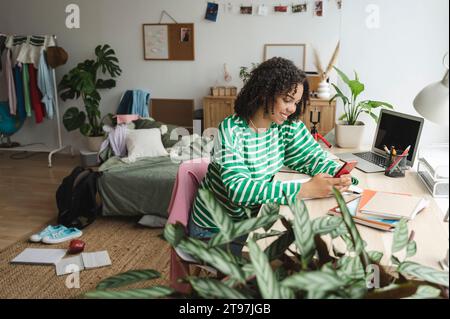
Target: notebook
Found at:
83, 261
39, 256
393, 206
370, 221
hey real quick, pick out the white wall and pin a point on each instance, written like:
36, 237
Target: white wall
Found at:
399, 58
235, 39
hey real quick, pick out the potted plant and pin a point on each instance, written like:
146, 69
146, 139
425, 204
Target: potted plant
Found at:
245, 73
83, 81
349, 131
312, 270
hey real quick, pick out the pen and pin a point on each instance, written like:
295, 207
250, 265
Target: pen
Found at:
395, 163
394, 151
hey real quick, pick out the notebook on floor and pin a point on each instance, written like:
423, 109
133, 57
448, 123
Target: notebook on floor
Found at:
40, 256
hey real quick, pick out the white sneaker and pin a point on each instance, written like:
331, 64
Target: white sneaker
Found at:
62, 236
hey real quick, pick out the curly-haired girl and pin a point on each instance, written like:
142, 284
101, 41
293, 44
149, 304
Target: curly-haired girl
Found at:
252, 145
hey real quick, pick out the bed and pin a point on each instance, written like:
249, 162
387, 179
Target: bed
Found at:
135, 189
144, 188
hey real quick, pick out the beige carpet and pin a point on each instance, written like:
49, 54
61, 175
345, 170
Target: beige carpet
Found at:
129, 245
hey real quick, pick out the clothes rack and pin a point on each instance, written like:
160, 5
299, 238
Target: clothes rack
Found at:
44, 149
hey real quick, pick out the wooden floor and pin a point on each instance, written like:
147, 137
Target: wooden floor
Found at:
27, 193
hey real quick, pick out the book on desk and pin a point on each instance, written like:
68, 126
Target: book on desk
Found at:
382, 210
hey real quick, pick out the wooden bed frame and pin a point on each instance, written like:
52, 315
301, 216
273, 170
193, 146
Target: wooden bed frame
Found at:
173, 111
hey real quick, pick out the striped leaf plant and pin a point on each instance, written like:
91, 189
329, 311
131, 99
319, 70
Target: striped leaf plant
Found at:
301, 261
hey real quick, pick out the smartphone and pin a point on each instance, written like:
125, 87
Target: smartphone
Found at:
346, 168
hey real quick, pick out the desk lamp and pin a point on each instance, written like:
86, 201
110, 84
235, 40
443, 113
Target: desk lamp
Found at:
432, 104
432, 101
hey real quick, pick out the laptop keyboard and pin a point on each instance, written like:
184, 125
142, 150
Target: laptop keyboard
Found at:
373, 158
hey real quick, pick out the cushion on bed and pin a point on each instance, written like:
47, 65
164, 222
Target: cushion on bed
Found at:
150, 123
145, 143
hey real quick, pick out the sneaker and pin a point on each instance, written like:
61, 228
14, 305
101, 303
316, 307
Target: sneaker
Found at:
62, 236
36, 238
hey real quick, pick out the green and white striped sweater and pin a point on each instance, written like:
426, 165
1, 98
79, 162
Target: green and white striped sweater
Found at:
244, 163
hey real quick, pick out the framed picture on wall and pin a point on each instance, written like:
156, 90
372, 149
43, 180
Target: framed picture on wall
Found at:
169, 41
294, 52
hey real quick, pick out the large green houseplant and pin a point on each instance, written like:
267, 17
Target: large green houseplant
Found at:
309, 271
349, 131
84, 81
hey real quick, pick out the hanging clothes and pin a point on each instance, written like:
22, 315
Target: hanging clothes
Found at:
2, 46
18, 82
36, 96
10, 87
46, 85
27, 49
26, 89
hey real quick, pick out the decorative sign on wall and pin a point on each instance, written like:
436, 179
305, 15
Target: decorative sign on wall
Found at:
294, 52
212, 10
297, 8
173, 41
282, 9
263, 10
156, 45
318, 8
247, 10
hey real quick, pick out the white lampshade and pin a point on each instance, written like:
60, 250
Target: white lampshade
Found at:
432, 102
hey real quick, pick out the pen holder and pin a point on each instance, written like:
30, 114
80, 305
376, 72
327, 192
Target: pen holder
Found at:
396, 166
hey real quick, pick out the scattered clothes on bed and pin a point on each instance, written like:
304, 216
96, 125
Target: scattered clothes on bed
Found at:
116, 140
135, 102
126, 118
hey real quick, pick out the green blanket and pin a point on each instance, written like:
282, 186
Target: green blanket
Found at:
140, 188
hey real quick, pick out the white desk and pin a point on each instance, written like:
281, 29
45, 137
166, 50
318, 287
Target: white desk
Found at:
431, 233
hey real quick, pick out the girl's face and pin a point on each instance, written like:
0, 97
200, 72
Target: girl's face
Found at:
285, 105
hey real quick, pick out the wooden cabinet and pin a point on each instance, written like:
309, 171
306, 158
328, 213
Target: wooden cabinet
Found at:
216, 109
327, 115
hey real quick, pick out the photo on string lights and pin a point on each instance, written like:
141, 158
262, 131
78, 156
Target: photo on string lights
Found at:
212, 10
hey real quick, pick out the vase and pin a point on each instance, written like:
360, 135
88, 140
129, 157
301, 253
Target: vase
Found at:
324, 92
94, 143
349, 136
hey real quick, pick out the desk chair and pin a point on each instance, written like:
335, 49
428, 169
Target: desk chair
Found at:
190, 175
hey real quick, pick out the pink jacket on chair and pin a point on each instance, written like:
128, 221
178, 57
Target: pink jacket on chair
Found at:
190, 175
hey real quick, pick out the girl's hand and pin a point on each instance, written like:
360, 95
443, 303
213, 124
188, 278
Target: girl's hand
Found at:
322, 185
346, 182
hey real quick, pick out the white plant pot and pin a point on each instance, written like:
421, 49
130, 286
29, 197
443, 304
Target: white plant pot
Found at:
324, 91
94, 143
349, 136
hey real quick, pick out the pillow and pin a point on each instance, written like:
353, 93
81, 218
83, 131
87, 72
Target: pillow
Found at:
145, 143
146, 124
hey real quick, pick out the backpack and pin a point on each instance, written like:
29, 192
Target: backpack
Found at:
76, 198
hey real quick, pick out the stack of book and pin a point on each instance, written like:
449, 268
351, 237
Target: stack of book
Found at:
382, 210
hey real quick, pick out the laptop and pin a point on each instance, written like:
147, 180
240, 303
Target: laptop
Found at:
393, 129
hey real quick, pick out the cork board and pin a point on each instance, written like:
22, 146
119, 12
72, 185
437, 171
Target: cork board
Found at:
169, 42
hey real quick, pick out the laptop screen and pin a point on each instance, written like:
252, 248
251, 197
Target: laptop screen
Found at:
398, 131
